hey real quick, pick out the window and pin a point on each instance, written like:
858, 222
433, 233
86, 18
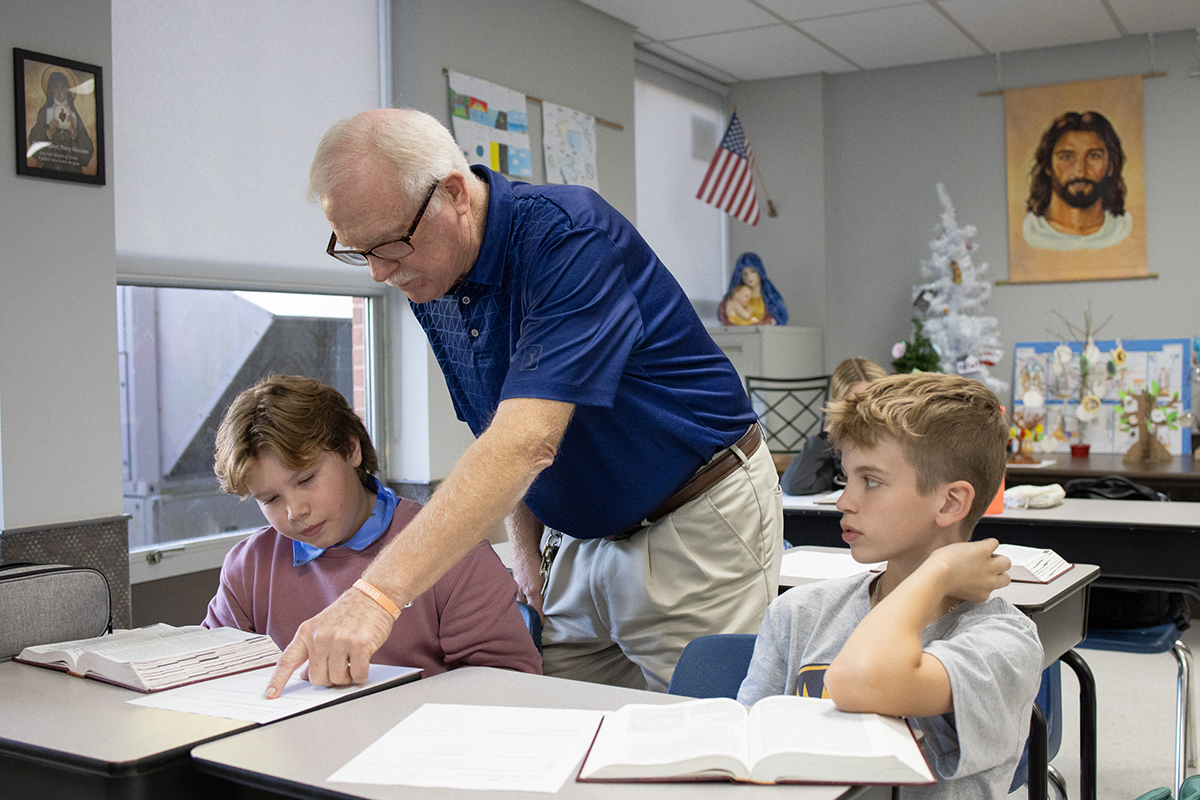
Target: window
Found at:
184, 354
678, 128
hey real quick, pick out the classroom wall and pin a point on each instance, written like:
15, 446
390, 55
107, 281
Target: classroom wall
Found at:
557, 50
60, 449
784, 123
889, 136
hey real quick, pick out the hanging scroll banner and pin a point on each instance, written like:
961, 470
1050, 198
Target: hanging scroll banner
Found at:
1076, 187
569, 142
491, 125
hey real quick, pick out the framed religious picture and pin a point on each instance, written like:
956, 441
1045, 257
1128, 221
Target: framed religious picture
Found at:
59, 118
1076, 186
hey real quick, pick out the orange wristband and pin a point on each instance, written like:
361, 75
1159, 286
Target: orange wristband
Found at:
379, 597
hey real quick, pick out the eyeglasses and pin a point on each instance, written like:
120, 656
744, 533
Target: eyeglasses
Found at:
388, 251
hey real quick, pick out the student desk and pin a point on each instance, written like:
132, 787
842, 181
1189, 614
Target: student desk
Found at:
1058, 608
1136, 544
68, 737
293, 757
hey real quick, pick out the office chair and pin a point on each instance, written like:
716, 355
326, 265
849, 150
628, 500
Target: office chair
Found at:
713, 666
789, 409
1159, 639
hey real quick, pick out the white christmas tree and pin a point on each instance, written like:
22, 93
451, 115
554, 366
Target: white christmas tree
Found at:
952, 299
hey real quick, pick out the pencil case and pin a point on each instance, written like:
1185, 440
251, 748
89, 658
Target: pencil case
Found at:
47, 603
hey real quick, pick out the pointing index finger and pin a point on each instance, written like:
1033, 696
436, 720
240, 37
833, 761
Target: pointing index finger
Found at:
292, 659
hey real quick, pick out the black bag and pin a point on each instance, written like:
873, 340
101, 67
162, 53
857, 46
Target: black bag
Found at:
1122, 609
48, 603
1111, 487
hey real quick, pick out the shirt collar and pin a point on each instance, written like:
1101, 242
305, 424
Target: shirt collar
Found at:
489, 264
375, 526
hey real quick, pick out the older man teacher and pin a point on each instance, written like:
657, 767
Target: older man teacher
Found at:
612, 436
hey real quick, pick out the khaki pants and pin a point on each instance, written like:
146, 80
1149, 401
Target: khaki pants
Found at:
621, 612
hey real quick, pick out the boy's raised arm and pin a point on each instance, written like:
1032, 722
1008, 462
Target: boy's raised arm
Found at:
883, 668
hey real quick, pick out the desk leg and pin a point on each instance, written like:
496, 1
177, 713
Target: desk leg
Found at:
1039, 757
1087, 723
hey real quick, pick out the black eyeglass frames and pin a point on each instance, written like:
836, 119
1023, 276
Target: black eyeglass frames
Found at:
388, 251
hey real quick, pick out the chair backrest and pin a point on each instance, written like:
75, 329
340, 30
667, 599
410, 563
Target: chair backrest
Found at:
1049, 699
788, 408
532, 621
713, 666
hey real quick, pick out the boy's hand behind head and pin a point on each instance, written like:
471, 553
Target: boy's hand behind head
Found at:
971, 570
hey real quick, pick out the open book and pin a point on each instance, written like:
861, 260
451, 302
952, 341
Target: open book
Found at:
781, 739
157, 657
1033, 564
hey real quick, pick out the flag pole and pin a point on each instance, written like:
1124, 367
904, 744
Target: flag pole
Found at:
771, 212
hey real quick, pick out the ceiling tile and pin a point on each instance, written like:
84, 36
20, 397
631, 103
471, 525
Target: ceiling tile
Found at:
811, 9
1003, 26
679, 18
684, 60
894, 36
761, 53
1140, 16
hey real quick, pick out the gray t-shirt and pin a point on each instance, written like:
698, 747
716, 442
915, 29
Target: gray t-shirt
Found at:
990, 651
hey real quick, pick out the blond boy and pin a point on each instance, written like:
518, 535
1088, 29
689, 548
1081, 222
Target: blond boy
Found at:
923, 455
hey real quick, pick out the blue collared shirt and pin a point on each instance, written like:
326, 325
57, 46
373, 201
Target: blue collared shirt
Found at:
375, 526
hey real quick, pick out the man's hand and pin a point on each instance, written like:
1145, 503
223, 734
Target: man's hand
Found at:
337, 644
972, 570
525, 538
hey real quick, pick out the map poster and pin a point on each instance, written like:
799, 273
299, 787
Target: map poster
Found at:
569, 142
491, 125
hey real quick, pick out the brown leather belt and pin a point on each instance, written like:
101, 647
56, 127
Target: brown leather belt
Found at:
720, 467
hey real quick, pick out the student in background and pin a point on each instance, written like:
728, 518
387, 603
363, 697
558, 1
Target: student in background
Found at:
818, 469
295, 446
923, 455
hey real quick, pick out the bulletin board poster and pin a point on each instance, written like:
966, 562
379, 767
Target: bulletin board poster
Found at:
569, 143
1166, 363
491, 125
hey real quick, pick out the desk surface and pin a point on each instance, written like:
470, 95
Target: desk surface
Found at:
86, 724
1072, 510
1179, 477
285, 757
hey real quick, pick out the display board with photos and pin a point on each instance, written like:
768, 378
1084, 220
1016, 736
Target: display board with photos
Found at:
1069, 387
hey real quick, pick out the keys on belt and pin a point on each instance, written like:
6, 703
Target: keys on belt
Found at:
549, 552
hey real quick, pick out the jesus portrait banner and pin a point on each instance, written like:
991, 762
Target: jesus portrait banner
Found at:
1076, 185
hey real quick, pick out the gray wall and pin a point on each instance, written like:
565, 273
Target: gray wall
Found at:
582, 59
889, 136
60, 449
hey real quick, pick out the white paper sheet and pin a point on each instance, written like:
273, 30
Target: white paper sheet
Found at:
490, 748
810, 565
241, 696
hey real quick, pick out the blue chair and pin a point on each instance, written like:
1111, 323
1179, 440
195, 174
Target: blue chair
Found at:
1047, 722
533, 622
1159, 639
713, 666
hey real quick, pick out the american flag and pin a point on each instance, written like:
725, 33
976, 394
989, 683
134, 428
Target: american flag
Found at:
728, 184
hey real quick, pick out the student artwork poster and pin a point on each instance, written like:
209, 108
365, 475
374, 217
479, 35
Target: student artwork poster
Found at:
491, 125
1144, 365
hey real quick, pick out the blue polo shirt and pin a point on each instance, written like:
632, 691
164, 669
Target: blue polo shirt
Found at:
567, 302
